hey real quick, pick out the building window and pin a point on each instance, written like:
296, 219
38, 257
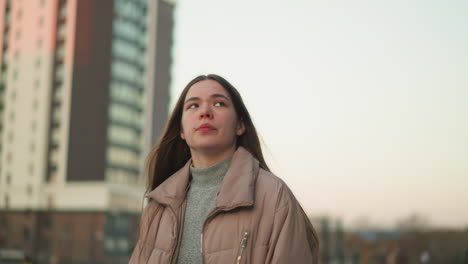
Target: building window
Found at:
4, 65
8, 179
39, 43
3, 220
125, 93
7, 201
61, 31
38, 62
18, 34
63, 10
109, 244
10, 137
31, 169
33, 126
123, 157
41, 21
7, 18
127, 29
59, 72
126, 71
123, 245
50, 204
29, 190
59, 53
125, 135
48, 218
32, 147
35, 104
125, 49
26, 233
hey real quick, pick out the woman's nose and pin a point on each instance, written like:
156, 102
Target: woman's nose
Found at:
206, 112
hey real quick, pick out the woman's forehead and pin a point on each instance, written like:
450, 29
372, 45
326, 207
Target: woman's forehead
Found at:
206, 88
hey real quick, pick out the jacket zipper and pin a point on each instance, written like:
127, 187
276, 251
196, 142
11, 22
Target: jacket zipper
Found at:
177, 242
243, 245
211, 215
201, 235
179, 224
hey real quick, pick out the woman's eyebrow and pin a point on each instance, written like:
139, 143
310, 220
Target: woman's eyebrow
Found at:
192, 99
220, 95
212, 96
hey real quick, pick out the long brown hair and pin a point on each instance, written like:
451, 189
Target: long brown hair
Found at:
171, 153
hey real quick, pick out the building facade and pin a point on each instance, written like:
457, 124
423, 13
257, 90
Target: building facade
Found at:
84, 91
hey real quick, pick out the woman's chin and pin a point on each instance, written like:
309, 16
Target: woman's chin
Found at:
212, 147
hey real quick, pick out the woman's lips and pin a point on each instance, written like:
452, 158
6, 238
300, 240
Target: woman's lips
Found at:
205, 128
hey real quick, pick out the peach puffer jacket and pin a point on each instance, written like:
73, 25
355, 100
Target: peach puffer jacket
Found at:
256, 219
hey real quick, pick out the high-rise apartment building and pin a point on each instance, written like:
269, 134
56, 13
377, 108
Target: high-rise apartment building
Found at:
83, 96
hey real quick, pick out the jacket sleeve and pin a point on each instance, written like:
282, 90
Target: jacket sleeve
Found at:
293, 239
141, 249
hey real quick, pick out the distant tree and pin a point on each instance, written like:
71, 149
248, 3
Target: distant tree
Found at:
414, 223
339, 236
363, 223
465, 257
397, 256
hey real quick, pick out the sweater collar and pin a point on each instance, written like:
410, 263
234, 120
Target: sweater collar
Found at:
236, 190
211, 176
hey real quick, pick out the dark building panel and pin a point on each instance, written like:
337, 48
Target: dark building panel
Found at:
164, 40
90, 91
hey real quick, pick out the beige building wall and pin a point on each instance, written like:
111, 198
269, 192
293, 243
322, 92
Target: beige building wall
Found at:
27, 98
53, 187
32, 121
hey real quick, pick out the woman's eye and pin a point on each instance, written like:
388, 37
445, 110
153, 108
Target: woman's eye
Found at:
193, 106
220, 104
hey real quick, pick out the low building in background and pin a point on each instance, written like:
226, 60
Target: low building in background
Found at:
331, 238
84, 91
69, 236
372, 245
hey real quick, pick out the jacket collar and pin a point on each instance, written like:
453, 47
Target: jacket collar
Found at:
237, 189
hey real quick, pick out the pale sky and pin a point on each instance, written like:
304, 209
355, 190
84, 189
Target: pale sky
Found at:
362, 105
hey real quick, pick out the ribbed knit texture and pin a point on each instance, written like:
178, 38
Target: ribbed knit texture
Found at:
201, 197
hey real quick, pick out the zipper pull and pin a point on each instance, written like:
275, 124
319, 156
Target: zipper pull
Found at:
243, 245
201, 243
244, 239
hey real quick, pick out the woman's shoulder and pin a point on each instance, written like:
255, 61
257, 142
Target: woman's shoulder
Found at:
270, 179
272, 187
151, 206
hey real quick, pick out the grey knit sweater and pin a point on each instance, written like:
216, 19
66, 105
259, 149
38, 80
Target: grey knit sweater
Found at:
201, 196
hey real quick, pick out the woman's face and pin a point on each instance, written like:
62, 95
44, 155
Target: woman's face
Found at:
209, 120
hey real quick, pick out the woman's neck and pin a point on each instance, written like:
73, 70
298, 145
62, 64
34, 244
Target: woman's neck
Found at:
205, 159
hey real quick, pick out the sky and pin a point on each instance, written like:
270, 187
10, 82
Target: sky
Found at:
362, 105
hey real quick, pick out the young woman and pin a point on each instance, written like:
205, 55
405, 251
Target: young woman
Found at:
211, 196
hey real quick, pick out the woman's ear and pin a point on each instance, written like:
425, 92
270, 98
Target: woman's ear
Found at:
240, 128
182, 135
